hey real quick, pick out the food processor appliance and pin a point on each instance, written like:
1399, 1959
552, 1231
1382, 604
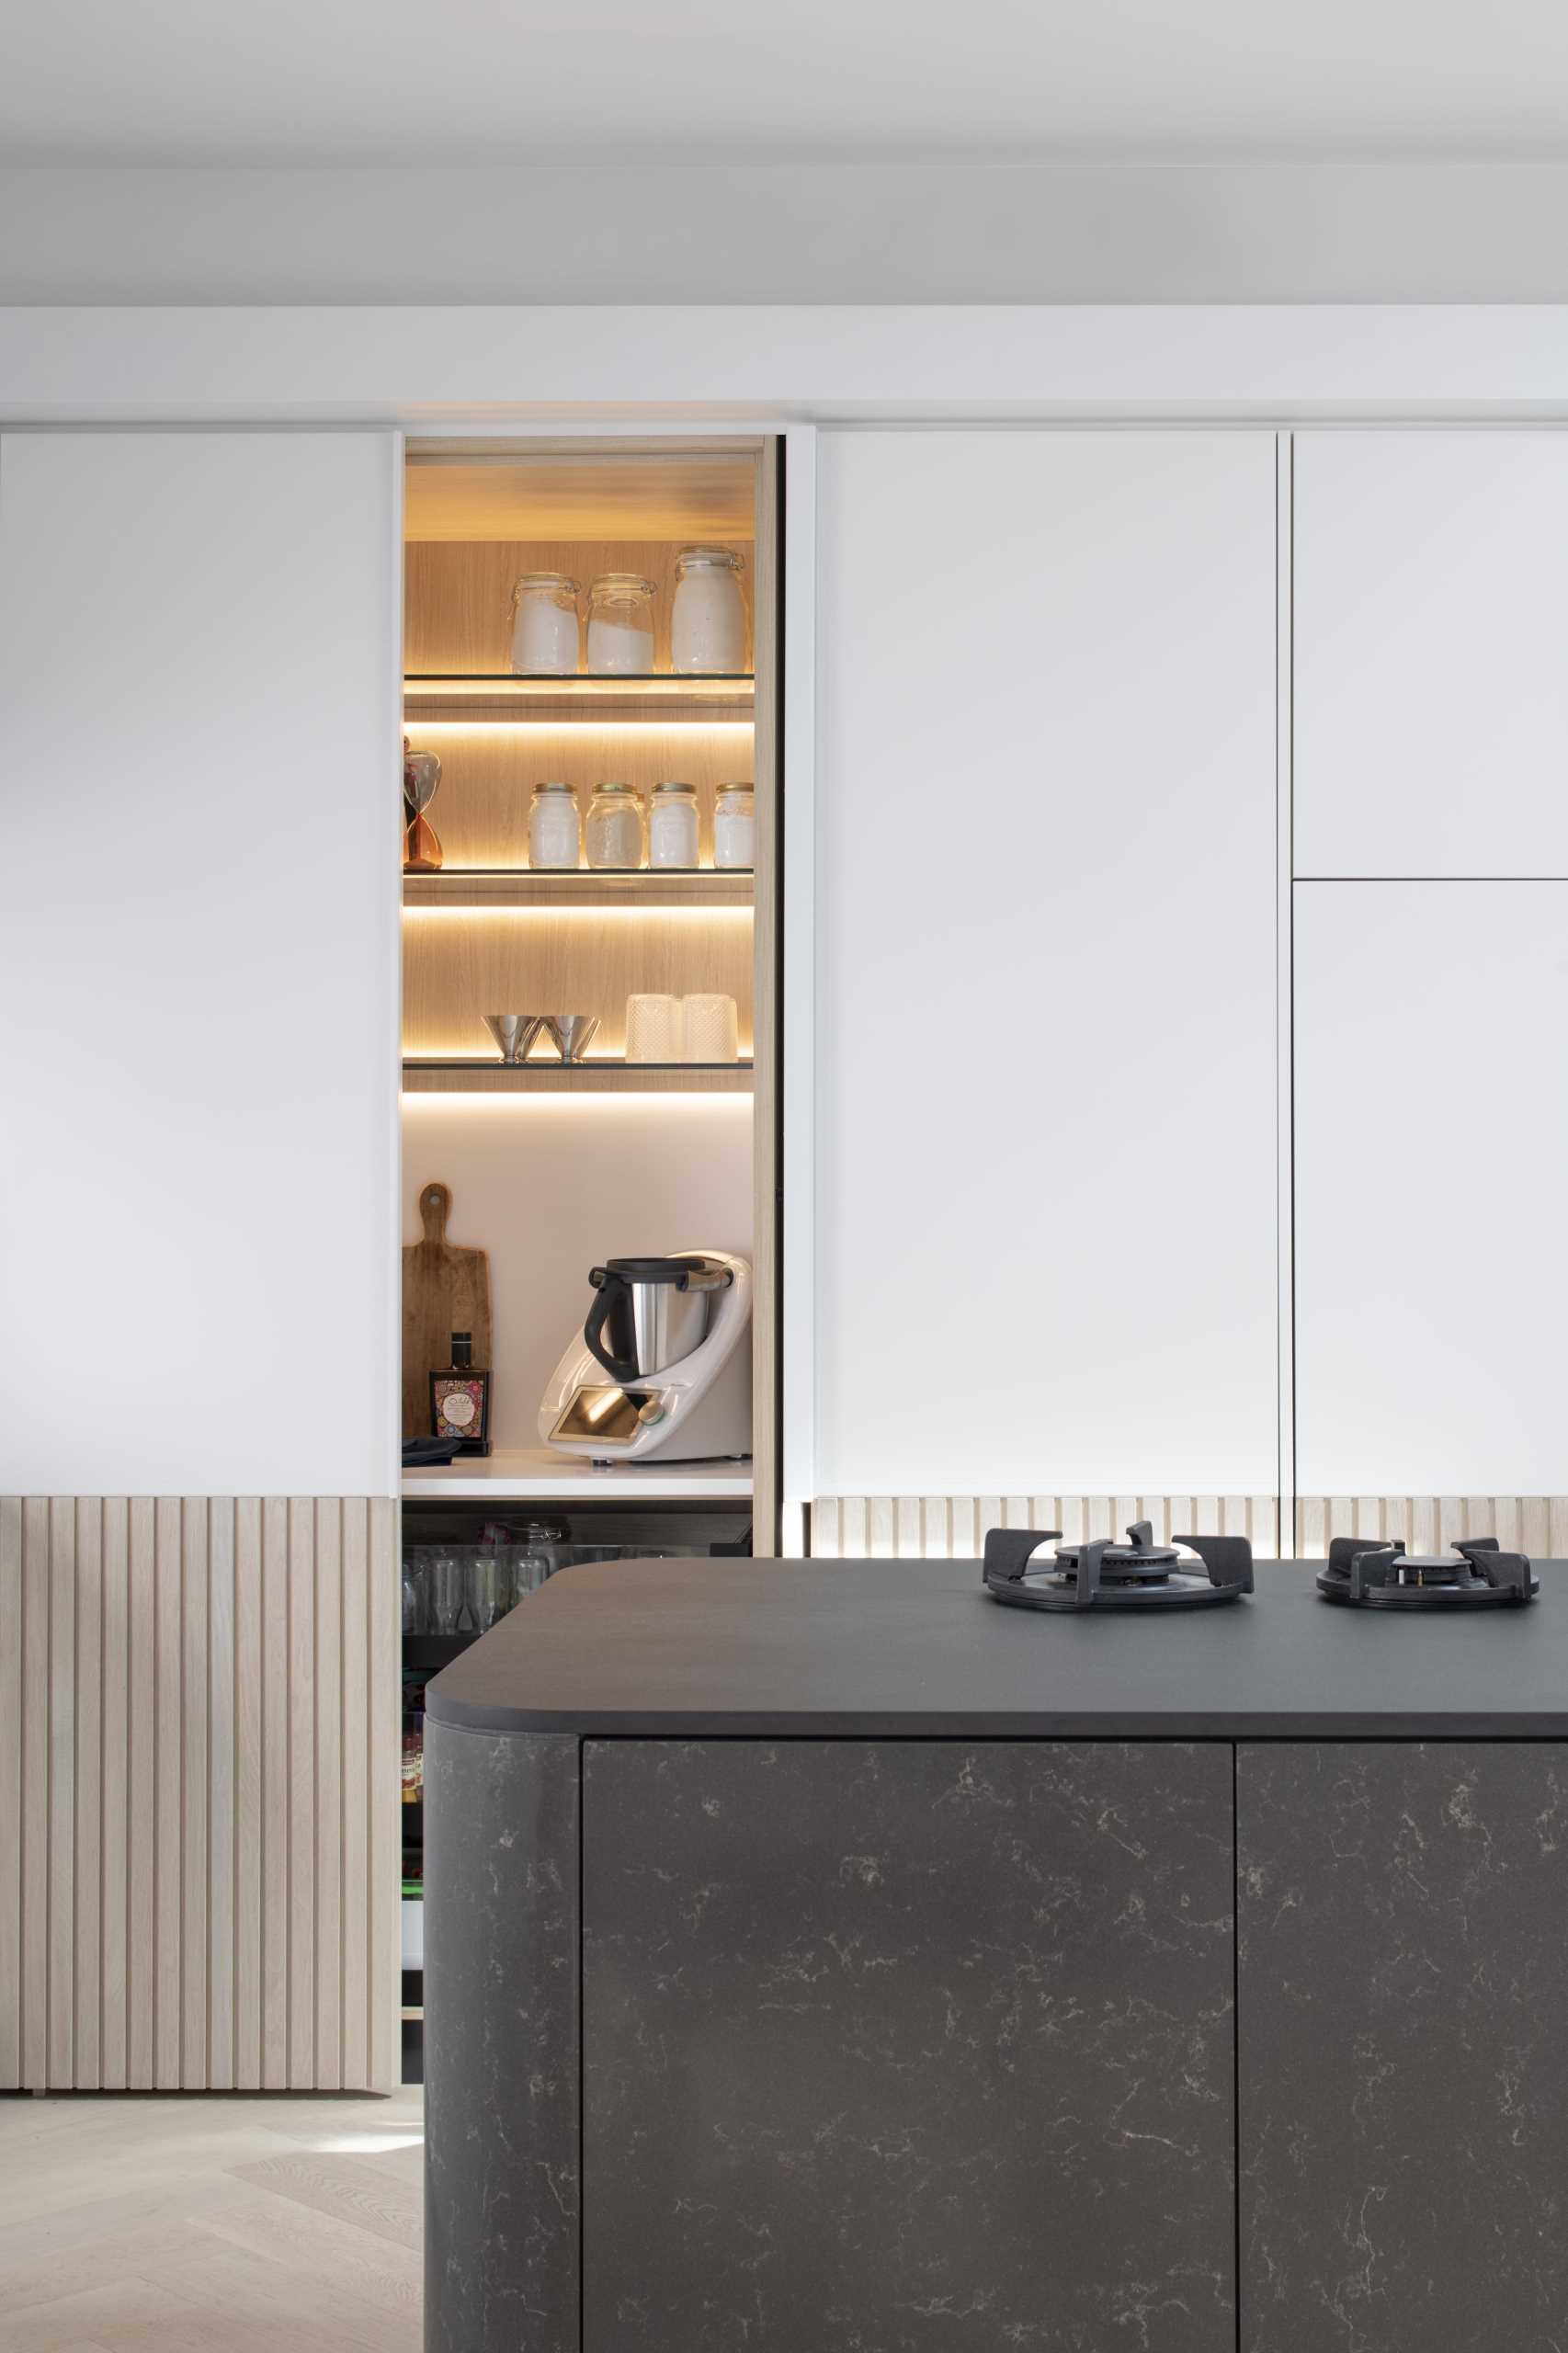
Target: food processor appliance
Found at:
662, 1366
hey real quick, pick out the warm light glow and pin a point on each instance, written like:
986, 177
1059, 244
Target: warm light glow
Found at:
564, 907
414, 728
507, 1099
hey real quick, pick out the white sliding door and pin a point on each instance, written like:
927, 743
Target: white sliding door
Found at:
1046, 964
198, 1393
198, 666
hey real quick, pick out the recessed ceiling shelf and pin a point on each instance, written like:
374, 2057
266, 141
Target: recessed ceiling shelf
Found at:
650, 887
459, 1075
432, 695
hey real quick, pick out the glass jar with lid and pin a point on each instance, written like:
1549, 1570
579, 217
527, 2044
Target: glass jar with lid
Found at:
671, 826
734, 826
555, 837
621, 626
708, 616
545, 629
614, 831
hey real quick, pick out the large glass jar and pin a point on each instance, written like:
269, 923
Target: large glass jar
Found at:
613, 834
621, 626
708, 617
671, 826
734, 826
554, 834
545, 637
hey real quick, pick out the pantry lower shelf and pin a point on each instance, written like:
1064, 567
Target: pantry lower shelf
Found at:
467, 1076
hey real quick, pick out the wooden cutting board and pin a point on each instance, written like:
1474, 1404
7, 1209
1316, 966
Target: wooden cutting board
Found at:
444, 1289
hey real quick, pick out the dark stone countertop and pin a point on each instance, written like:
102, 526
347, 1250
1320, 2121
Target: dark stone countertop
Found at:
693, 1649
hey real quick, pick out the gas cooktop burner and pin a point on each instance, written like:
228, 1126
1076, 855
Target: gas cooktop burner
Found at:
1139, 1574
1475, 1575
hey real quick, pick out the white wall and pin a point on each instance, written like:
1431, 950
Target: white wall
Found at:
198, 682
866, 232
550, 1185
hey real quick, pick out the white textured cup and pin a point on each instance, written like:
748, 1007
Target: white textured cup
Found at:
654, 1029
712, 1030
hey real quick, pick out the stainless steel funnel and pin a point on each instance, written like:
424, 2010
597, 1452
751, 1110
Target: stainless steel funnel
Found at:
514, 1033
573, 1033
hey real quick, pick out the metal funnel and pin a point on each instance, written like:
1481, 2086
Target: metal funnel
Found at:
573, 1033
514, 1033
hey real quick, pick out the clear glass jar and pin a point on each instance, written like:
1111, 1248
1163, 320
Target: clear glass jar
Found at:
708, 616
621, 626
555, 833
671, 826
545, 631
613, 834
734, 826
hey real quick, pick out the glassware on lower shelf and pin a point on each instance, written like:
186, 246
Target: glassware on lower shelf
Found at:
451, 1608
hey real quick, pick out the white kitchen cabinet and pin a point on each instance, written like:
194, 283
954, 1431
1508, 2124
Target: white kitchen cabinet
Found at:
199, 1391
1431, 1143
198, 696
1431, 653
1046, 1234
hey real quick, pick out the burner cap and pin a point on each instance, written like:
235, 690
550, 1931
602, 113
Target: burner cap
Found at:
1139, 1557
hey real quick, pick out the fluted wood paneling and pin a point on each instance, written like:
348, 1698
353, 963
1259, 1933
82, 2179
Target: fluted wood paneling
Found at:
927, 1527
1533, 1524
200, 1813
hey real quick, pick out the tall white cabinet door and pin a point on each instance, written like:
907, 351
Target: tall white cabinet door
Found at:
1431, 1146
199, 1391
1046, 1221
1431, 691
198, 666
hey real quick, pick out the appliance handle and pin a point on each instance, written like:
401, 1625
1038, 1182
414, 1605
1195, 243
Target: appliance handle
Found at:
609, 1288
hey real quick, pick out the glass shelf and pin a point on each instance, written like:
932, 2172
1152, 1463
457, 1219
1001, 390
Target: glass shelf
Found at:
650, 887
466, 695
442, 1075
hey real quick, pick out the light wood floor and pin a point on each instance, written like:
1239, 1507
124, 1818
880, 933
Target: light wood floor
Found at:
156, 2224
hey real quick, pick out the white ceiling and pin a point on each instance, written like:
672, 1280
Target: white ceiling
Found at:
415, 82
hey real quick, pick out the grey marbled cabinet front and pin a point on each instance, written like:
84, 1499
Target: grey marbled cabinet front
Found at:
906, 2044
1404, 2081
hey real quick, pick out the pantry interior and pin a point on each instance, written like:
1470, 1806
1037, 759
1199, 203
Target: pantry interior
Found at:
553, 1165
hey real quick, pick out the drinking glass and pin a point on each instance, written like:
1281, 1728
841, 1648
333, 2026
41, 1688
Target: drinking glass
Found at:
449, 1609
413, 1594
490, 1586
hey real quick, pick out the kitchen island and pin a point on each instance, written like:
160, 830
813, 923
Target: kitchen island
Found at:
820, 1956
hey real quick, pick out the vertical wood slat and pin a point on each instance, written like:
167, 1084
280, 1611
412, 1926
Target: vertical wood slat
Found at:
220, 1751
249, 1793
141, 1733
62, 2048
200, 1803
35, 1792
115, 1792
301, 1874
358, 1786
274, 1795
168, 1815
386, 1822
194, 1770
11, 1689
87, 1778
327, 1820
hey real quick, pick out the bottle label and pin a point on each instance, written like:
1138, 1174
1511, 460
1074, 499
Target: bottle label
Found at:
457, 1407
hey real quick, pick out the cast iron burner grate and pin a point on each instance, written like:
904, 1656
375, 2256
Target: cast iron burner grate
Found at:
1475, 1575
1139, 1574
